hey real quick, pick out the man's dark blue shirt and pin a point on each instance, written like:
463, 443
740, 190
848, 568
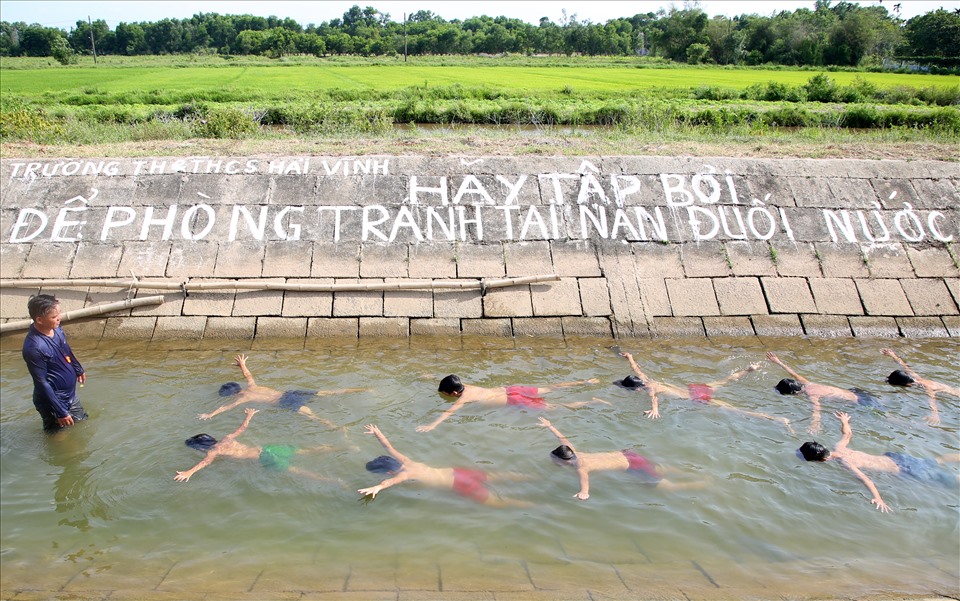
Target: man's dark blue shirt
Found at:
54, 370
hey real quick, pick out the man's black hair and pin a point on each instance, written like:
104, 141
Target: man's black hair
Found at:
451, 385
41, 304
899, 377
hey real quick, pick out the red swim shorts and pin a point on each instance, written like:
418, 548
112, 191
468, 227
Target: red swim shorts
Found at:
525, 396
470, 484
699, 392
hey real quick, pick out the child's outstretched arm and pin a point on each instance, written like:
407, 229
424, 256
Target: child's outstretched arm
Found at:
934, 418
889, 353
633, 365
876, 500
222, 408
584, 493
185, 475
373, 490
563, 439
654, 411
443, 416
845, 431
776, 361
241, 361
372, 429
250, 412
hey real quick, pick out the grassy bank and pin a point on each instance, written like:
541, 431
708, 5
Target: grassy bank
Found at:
627, 104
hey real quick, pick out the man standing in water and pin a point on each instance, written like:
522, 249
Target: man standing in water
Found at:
893, 463
52, 365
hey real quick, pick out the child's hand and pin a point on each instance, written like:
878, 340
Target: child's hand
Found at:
545, 422
372, 491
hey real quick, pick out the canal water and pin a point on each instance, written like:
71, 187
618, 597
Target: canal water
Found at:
101, 501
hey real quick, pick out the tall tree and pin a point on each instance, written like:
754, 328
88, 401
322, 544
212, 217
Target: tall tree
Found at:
936, 33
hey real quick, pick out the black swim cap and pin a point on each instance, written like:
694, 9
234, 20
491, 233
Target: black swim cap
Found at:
451, 385
563, 452
631, 382
384, 464
201, 442
788, 386
900, 378
230, 388
813, 451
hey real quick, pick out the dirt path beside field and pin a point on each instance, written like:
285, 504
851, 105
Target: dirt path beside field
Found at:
483, 143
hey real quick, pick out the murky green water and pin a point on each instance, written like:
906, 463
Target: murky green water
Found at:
103, 499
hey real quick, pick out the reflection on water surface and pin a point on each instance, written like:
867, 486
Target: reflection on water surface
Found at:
102, 501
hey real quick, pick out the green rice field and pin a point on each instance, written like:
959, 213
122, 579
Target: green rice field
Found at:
276, 81
143, 99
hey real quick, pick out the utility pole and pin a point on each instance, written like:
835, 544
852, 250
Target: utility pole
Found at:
92, 44
404, 37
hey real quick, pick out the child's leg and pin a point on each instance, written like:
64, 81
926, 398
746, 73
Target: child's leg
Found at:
498, 501
324, 448
949, 458
309, 413
672, 486
594, 401
734, 376
308, 474
341, 391
546, 389
730, 407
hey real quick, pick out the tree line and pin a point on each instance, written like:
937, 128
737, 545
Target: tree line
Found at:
840, 34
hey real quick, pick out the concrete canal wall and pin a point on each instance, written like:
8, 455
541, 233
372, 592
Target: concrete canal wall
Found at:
640, 246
